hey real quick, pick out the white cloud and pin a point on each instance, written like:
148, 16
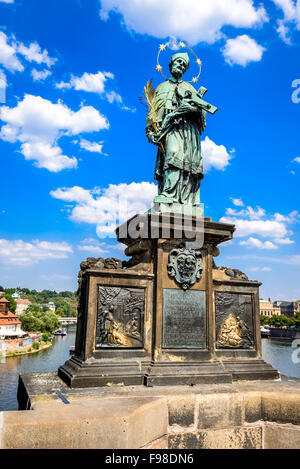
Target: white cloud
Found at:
127, 108
260, 269
22, 253
237, 202
284, 32
288, 260
290, 218
89, 82
255, 221
264, 228
214, 156
249, 212
297, 159
112, 97
256, 243
109, 206
191, 20
242, 50
93, 147
291, 18
34, 53
7, 1
10, 49
40, 75
284, 241
95, 83
95, 247
37, 124
8, 57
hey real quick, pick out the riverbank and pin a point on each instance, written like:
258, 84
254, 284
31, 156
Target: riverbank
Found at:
285, 332
18, 353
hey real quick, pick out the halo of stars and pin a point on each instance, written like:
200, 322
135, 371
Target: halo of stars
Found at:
181, 44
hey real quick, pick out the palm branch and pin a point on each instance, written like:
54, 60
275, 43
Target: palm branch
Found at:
153, 106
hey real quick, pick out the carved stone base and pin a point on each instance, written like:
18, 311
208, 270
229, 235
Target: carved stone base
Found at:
168, 316
167, 374
250, 370
77, 373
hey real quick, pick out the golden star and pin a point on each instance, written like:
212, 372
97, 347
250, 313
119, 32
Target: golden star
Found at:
194, 80
198, 61
159, 68
162, 46
182, 44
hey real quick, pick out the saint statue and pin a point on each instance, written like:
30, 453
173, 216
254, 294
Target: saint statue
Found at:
175, 121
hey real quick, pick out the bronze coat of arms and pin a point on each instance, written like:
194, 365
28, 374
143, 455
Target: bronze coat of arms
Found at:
185, 266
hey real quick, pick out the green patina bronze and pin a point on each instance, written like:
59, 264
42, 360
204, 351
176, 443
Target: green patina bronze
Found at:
175, 122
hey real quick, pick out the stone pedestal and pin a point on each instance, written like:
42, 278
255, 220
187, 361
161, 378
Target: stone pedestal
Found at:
168, 315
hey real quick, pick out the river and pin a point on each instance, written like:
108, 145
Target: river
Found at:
45, 360
275, 351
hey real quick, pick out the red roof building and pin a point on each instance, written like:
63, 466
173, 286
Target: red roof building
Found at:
10, 325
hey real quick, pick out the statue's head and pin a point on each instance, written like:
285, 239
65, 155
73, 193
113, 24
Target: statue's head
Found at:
179, 63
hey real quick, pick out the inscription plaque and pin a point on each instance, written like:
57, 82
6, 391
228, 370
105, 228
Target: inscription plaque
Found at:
184, 319
120, 317
234, 320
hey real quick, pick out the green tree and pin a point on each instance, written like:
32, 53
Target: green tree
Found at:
62, 303
34, 319
60, 312
50, 321
66, 294
30, 323
9, 291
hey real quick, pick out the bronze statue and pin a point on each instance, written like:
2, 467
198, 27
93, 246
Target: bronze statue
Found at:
176, 119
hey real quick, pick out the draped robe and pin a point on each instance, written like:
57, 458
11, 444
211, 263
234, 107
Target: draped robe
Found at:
179, 169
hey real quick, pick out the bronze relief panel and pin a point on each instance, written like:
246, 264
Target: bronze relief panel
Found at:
234, 321
120, 317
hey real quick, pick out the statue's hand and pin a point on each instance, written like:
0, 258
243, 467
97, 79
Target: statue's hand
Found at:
187, 106
154, 138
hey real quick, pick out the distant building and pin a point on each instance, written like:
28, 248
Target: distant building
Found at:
16, 296
268, 308
288, 308
50, 306
296, 304
10, 325
22, 305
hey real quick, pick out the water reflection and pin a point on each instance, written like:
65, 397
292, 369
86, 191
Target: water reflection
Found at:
45, 360
278, 352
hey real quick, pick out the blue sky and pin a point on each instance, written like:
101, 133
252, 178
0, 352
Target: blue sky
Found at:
72, 130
